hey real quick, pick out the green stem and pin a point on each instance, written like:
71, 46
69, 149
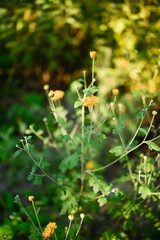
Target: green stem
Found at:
70, 222
79, 227
52, 179
37, 216
128, 164
134, 136
82, 145
55, 235
123, 155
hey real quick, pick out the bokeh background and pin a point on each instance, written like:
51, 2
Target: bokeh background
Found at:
48, 42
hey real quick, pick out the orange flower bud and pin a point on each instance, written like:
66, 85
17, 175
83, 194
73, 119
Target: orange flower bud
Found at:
31, 198
46, 87
51, 93
115, 91
58, 94
92, 54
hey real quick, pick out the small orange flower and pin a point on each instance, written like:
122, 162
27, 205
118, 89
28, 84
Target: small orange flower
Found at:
90, 101
52, 225
31, 198
58, 94
89, 165
49, 230
115, 91
51, 93
47, 233
92, 54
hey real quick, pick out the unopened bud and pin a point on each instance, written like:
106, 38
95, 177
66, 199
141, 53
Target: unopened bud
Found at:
82, 215
71, 217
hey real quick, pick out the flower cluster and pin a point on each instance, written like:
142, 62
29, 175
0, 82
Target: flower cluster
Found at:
90, 101
49, 230
58, 94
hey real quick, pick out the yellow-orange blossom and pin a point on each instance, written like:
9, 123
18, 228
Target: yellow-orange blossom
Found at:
90, 101
58, 94
49, 230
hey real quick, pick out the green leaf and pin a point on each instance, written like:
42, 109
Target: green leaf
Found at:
144, 191
66, 138
44, 163
68, 205
16, 154
30, 177
29, 137
34, 168
77, 104
35, 234
143, 131
93, 89
102, 201
153, 146
61, 121
69, 162
117, 150
81, 80
87, 92
137, 93
37, 180
100, 136
98, 184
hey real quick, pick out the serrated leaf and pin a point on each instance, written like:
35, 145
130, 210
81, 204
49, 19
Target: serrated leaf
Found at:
35, 234
68, 205
16, 154
93, 89
37, 180
117, 150
61, 121
44, 163
87, 92
77, 104
66, 138
153, 146
102, 201
100, 136
137, 93
69, 162
99, 184
144, 191
28, 147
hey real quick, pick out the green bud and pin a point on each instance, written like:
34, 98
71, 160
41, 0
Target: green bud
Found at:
154, 112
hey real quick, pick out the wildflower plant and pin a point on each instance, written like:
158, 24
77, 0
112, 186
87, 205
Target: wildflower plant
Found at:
79, 175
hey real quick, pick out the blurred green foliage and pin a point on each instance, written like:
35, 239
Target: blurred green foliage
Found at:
53, 38
44, 41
